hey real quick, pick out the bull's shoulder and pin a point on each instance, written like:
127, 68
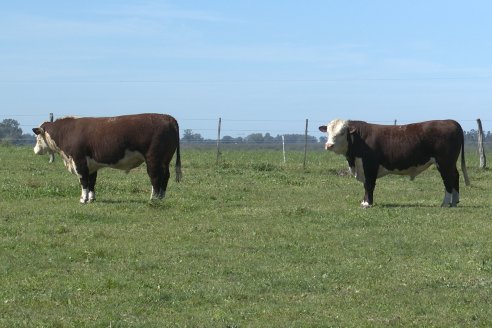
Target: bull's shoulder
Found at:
364, 130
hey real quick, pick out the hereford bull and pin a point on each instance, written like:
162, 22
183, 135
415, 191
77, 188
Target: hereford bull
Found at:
122, 142
375, 150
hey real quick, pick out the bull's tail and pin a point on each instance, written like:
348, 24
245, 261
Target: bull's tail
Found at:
179, 174
463, 164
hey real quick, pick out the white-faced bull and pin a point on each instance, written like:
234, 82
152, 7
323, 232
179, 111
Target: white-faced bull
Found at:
122, 142
375, 150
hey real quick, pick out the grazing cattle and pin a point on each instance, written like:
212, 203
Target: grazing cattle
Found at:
122, 142
375, 150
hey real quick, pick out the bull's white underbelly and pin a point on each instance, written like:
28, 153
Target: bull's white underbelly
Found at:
131, 160
413, 171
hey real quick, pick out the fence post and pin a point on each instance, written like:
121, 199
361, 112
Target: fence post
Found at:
52, 155
218, 140
395, 121
305, 143
283, 146
481, 151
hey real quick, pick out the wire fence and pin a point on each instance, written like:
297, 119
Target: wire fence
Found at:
203, 132
230, 127
255, 137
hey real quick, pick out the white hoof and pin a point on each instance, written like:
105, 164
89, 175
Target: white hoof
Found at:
84, 197
92, 196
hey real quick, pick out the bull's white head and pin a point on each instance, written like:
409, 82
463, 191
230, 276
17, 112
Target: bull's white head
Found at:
337, 136
44, 143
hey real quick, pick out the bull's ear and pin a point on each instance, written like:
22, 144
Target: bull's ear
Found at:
322, 128
351, 129
38, 131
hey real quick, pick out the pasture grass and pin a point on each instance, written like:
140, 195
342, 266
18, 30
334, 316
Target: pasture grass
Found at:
249, 242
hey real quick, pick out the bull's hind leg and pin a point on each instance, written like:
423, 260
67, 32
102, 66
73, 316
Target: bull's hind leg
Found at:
166, 179
156, 177
450, 178
455, 195
159, 177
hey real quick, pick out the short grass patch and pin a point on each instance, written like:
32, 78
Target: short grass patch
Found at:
247, 242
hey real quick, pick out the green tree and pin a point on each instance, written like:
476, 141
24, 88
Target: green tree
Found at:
231, 140
254, 138
189, 136
10, 129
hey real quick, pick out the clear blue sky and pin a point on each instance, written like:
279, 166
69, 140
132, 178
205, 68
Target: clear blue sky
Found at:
263, 66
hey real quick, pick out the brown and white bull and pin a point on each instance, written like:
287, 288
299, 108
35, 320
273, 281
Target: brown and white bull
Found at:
123, 142
373, 151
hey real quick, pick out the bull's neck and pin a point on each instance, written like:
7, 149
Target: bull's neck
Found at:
53, 137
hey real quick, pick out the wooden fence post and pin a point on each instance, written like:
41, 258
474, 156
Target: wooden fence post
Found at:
283, 146
481, 151
218, 140
305, 143
52, 155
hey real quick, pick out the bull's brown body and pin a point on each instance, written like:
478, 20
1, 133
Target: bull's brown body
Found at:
122, 142
374, 150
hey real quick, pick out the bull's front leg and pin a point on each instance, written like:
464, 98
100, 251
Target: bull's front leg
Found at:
84, 183
84, 178
370, 173
368, 195
92, 185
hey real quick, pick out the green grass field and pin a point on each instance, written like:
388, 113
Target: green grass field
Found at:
250, 242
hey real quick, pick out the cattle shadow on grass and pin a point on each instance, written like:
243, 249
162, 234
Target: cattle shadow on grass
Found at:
157, 204
393, 205
122, 201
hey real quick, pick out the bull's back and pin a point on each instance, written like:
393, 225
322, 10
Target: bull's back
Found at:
444, 136
110, 139
405, 146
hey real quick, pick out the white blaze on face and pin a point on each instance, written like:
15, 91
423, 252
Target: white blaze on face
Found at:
41, 147
337, 136
44, 144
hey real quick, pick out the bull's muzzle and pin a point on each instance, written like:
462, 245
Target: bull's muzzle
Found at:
329, 146
38, 150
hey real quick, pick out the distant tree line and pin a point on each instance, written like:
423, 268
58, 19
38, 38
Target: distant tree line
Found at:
259, 138
472, 136
255, 138
11, 133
